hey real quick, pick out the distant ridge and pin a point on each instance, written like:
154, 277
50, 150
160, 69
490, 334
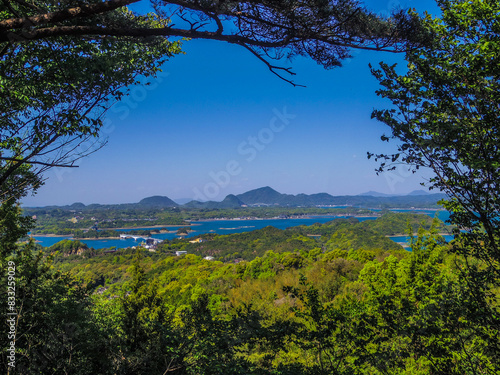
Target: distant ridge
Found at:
231, 201
418, 192
181, 201
264, 195
77, 206
270, 197
372, 193
157, 201
267, 196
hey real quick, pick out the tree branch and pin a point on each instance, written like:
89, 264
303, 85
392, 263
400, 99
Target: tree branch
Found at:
56, 31
22, 161
137, 32
273, 68
66, 14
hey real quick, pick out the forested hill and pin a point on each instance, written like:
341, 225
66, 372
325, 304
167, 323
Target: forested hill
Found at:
157, 201
269, 196
248, 296
231, 201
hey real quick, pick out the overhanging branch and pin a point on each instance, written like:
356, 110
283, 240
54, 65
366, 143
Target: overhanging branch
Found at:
50, 32
65, 14
274, 68
23, 161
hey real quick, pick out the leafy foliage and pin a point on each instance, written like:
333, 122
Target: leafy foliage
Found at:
13, 227
55, 329
297, 308
446, 117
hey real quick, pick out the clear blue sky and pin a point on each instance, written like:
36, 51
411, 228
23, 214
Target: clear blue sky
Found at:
218, 122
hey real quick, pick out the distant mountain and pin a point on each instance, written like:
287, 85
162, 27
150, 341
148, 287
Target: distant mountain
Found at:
322, 198
95, 206
181, 201
318, 199
231, 201
269, 196
264, 195
198, 204
372, 193
418, 192
77, 206
157, 201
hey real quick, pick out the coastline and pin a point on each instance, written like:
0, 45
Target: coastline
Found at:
307, 216
50, 235
150, 227
416, 234
95, 239
238, 219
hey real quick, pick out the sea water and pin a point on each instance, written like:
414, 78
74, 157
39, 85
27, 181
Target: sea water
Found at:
225, 227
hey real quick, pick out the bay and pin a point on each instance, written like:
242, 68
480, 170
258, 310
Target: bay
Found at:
406, 239
198, 227
225, 227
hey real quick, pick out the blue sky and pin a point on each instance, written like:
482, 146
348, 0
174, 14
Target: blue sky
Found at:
218, 122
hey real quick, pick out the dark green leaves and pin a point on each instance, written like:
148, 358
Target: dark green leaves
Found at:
447, 119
